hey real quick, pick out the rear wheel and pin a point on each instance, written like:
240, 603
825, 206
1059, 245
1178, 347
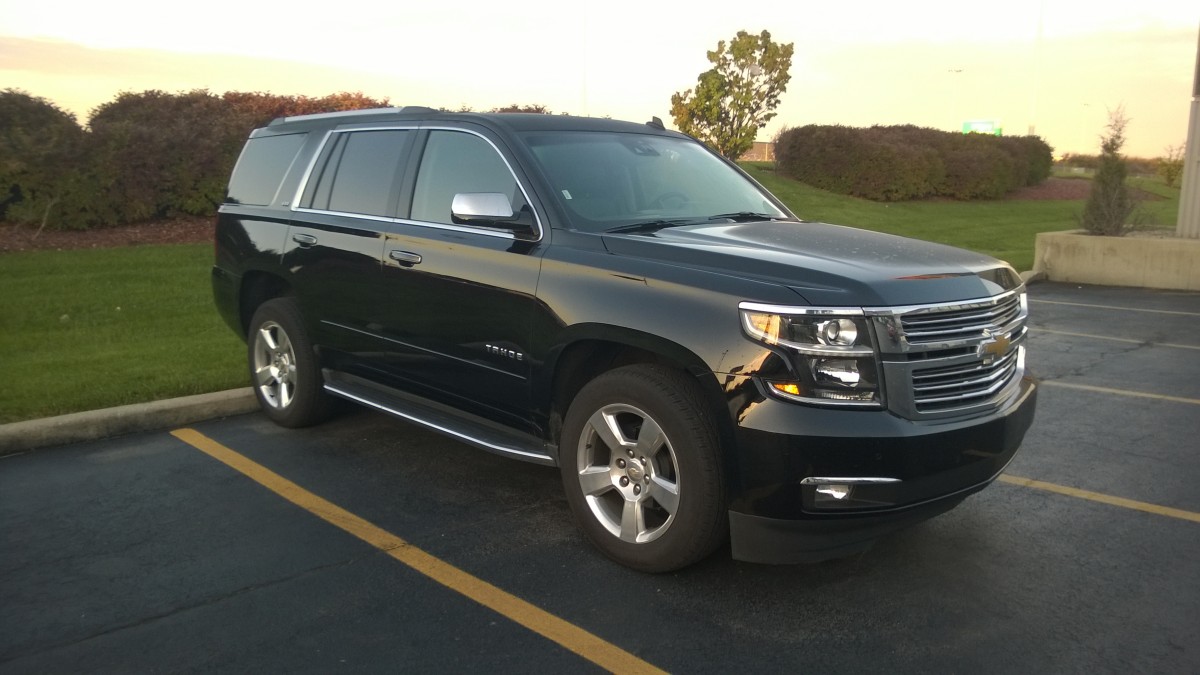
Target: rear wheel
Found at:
283, 368
641, 468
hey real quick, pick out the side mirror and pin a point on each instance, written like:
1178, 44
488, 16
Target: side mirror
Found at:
481, 208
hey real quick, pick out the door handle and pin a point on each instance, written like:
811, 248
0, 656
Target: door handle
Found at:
405, 258
305, 240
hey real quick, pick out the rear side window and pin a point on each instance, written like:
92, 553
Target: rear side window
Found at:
261, 168
360, 172
457, 162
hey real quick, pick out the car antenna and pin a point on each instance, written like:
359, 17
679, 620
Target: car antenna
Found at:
656, 123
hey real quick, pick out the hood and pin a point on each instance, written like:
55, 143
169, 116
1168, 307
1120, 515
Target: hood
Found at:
826, 264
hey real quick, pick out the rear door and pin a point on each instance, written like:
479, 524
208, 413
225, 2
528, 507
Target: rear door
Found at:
336, 240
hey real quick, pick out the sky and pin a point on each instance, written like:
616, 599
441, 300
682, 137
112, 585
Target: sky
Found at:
1057, 67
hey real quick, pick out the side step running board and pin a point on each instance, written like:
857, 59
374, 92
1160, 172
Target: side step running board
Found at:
468, 429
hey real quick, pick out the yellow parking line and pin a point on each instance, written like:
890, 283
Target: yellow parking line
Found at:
1119, 392
575, 639
1102, 498
1123, 309
1113, 339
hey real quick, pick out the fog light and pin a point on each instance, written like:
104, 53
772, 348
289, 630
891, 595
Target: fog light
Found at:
833, 492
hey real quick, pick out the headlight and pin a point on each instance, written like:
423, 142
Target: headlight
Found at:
831, 351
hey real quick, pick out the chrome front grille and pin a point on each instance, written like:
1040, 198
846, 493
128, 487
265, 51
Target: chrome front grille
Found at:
957, 322
961, 386
952, 359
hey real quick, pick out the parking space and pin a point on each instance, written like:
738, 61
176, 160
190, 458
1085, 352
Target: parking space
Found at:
147, 553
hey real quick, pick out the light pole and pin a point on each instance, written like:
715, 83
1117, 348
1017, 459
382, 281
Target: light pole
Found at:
1188, 224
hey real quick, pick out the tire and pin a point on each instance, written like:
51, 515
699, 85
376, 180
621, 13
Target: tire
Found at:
641, 466
284, 371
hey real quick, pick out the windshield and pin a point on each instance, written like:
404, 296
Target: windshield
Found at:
607, 181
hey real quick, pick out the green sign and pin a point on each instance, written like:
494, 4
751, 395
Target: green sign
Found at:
983, 127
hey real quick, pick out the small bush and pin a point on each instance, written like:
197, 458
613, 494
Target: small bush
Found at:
1109, 205
1170, 166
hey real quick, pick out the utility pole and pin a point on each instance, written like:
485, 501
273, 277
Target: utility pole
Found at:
1188, 225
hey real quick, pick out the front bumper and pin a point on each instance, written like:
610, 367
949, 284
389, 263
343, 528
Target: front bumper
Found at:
777, 517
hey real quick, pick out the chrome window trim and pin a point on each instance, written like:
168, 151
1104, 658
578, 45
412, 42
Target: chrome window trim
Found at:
312, 163
465, 229
347, 214
487, 232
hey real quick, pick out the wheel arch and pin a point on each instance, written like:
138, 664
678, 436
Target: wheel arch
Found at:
593, 349
257, 287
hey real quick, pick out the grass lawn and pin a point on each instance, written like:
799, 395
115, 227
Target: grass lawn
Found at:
96, 328
1004, 229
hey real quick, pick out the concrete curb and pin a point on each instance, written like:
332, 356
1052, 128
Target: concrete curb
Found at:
126, 419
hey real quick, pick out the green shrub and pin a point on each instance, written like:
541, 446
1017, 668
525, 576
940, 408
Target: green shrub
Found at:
845, 160
39, 144
145, 156
1109, 205
890, 163
976, 169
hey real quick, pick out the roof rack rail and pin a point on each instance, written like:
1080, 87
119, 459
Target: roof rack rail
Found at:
351, 113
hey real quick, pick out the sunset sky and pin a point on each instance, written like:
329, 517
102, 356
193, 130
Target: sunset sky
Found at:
1057, 66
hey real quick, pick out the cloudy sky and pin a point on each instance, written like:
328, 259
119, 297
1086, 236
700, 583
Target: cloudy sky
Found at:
1056, 66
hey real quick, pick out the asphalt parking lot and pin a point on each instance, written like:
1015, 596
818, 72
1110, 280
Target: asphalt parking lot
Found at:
367, 544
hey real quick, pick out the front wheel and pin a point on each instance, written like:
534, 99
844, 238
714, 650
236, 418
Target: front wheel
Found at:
284, 370
641, 466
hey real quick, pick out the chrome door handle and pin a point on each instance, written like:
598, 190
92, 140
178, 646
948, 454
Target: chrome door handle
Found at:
405, 258
305, 240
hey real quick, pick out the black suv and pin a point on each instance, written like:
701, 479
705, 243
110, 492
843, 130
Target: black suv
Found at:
616, 300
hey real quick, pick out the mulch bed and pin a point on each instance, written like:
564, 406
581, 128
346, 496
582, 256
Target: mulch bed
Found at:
1054, 188
178, 231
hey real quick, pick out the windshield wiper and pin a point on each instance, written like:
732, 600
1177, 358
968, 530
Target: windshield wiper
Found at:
744, 216
651, 225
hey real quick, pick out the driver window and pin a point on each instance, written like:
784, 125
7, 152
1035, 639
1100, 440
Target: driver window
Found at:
455, 162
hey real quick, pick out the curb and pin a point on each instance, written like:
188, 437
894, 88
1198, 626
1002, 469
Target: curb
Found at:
127, 419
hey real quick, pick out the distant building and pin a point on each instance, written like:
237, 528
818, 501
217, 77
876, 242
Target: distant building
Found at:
761, 152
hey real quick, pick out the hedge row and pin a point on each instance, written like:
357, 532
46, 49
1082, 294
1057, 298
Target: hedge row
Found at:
1143, 166
142, 156
899, 163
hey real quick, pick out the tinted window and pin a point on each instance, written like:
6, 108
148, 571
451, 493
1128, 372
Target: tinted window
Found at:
261, 168
457, 162
606, 180
363, 179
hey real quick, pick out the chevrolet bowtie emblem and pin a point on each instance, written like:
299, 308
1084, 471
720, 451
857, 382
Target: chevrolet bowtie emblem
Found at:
993, 348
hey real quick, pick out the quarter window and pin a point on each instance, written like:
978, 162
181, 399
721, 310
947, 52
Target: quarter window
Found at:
262, 167
457, 162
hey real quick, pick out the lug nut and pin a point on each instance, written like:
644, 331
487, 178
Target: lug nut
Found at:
625, 482
620, 464
637, 489
647, 479
630, 452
